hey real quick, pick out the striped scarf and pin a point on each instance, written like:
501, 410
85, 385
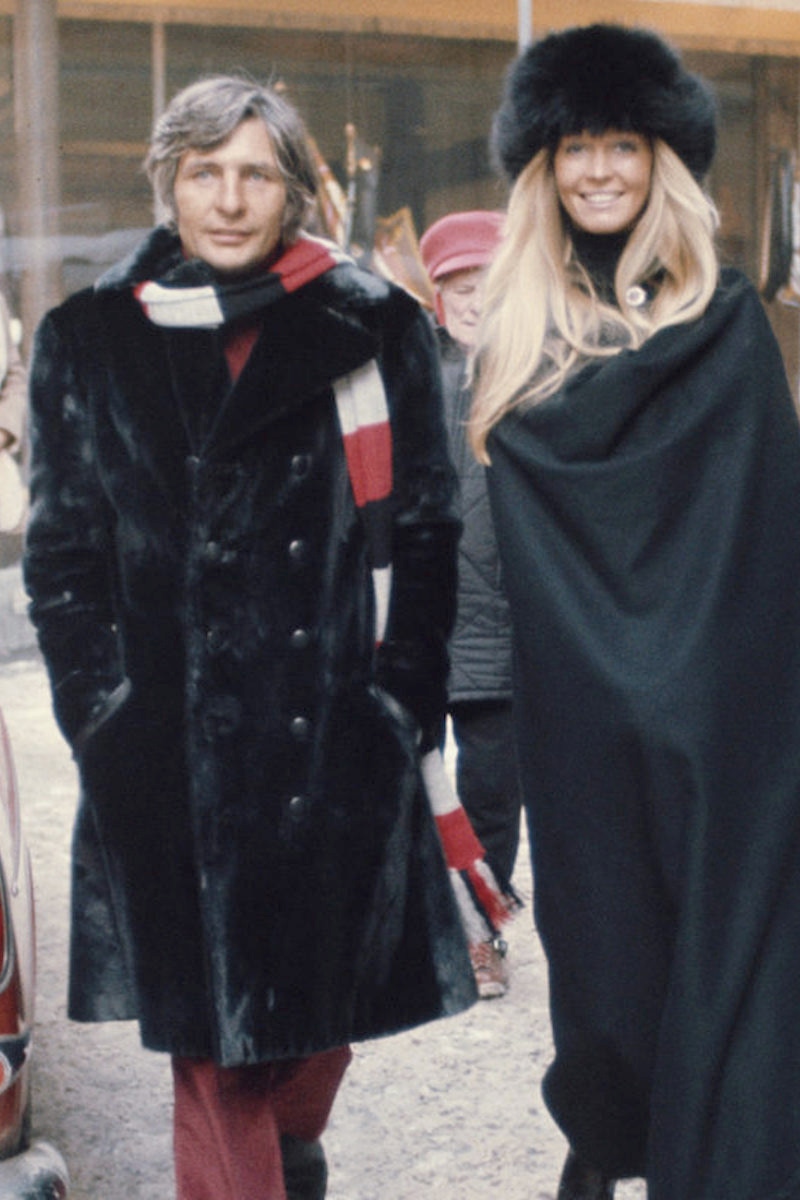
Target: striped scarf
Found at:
192, 297
183, 301
364, 420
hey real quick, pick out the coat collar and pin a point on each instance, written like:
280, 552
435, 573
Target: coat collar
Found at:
156, 256
308, 339
303, 346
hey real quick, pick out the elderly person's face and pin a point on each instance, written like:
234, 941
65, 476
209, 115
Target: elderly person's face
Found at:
230, 201
603, 180
461, 294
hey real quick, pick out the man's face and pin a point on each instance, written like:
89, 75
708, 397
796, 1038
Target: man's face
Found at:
461, 294
230, 201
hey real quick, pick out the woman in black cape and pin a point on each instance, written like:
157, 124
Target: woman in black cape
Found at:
644, 472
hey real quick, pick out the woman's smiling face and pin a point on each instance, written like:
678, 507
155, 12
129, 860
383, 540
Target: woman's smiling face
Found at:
603, 180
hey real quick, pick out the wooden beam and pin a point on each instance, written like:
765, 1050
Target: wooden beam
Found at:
733, 27
136, 150
431, 18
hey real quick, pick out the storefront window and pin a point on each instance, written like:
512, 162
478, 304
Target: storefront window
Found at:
418, 107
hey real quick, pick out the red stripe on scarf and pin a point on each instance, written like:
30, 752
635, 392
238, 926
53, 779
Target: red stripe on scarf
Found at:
460, 844
496, 906
303, 261
369, 462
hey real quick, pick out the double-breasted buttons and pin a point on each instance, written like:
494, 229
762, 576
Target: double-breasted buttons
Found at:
217, 639
297, 807
300, 728
298, 552
300, 466
300, 638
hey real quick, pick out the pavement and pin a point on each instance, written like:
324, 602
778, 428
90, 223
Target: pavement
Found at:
16, 633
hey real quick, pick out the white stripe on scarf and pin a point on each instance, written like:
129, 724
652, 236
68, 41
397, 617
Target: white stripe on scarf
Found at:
176, 308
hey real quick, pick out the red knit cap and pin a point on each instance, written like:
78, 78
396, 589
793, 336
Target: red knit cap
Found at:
460, 241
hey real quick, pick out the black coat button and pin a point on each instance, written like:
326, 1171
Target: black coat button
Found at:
300, 639
216, 639
298, 551
297, 807
300, 465
300, 728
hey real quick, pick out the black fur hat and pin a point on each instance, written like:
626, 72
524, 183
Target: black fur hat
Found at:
600, 77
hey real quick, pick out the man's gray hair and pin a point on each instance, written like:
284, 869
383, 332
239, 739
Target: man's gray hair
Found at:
205, 113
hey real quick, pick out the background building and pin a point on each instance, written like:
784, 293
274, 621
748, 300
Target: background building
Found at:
80, 81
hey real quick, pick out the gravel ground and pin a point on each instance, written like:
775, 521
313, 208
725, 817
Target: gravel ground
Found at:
449, 1110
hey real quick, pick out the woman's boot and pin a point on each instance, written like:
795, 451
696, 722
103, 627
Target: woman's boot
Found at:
580, 1181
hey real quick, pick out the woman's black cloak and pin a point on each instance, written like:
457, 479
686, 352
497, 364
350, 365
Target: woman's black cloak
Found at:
649, 521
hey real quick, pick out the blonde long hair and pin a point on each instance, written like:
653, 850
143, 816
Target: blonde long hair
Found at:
542, 317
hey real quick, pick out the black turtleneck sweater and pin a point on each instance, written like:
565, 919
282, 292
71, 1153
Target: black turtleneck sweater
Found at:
599, 253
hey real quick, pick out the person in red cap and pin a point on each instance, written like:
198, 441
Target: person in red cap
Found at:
456, 251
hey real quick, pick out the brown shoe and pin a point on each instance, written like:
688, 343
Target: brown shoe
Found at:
491, 974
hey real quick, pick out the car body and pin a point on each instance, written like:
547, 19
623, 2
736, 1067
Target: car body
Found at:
28, 1171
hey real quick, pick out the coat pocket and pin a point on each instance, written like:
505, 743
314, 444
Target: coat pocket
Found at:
101, 715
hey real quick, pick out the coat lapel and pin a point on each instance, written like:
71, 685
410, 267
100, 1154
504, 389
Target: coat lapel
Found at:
153, 382
301, 349
176, 398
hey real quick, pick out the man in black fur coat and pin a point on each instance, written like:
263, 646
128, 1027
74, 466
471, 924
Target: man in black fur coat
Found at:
257, 874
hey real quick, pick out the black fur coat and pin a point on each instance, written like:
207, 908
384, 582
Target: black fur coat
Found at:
256, 872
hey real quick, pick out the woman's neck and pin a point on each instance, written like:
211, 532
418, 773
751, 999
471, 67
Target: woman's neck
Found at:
599, 254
